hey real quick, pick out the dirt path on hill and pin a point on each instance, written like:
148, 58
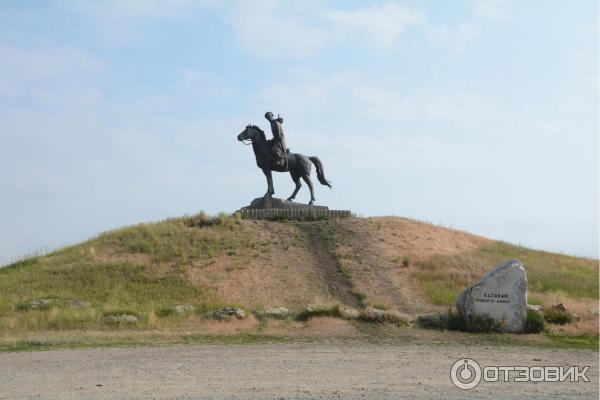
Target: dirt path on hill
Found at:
280, 371
382, 281
338, 286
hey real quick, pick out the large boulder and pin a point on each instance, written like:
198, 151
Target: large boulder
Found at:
501, 295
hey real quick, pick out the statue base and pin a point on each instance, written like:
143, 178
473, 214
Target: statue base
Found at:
265, 203
275, 208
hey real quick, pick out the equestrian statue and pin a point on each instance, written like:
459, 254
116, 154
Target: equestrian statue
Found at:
273, 155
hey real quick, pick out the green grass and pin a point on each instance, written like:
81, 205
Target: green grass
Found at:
582, 342
97, 282
82, 342
558, 317
587, 342
442, 278
454, 321
534, 323
333, 238
438, 292
178, 240
319, 311
144, 270
109, 288
576, 277
94, 273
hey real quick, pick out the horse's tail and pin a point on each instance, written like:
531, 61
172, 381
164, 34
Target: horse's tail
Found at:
320, 173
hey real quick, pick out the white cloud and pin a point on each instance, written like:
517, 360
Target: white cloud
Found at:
455, 38
132, 9
48, 75
458, 36
275, 29
278, 29
45, 64
385, 101
380, 25
494, 10
118, 22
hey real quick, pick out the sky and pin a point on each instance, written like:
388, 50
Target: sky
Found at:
475, 115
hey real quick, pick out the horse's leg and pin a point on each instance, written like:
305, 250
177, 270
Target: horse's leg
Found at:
296, 179
269, 175
310, 186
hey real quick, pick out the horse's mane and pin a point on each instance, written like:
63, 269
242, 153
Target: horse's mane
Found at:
260, 131
257, 128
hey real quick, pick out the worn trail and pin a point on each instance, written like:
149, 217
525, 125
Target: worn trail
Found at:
338, 286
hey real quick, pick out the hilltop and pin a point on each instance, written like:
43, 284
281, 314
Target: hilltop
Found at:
207, 263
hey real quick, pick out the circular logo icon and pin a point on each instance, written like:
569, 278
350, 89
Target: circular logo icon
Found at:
465, 374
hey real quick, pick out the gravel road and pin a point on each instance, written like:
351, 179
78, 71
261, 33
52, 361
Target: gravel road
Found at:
280, 371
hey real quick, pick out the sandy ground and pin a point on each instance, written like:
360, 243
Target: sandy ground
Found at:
279, 371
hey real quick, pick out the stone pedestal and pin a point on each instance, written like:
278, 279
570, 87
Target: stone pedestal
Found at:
501, 294
265, 203
275, 208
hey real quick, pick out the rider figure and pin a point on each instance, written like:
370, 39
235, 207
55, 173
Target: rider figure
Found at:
278, 149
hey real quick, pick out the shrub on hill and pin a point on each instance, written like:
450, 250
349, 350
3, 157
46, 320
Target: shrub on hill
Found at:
534, 323
319, 311
559, 317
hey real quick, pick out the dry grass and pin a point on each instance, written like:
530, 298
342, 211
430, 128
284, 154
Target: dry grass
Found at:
233, 327
330, 327
374, 252
274, 267
388, 263
552, 278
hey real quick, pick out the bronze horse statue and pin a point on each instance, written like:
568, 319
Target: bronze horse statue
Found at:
298, 165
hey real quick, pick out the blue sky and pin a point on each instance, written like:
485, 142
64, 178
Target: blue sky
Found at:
477, 115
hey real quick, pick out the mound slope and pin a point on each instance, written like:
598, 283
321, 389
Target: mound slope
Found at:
385, 262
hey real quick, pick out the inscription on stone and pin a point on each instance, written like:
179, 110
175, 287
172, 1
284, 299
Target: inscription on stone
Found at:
500, 298
501, 295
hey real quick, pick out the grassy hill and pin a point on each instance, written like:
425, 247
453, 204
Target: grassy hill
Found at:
207, 263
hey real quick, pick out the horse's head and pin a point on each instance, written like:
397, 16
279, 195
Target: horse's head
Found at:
251, 133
